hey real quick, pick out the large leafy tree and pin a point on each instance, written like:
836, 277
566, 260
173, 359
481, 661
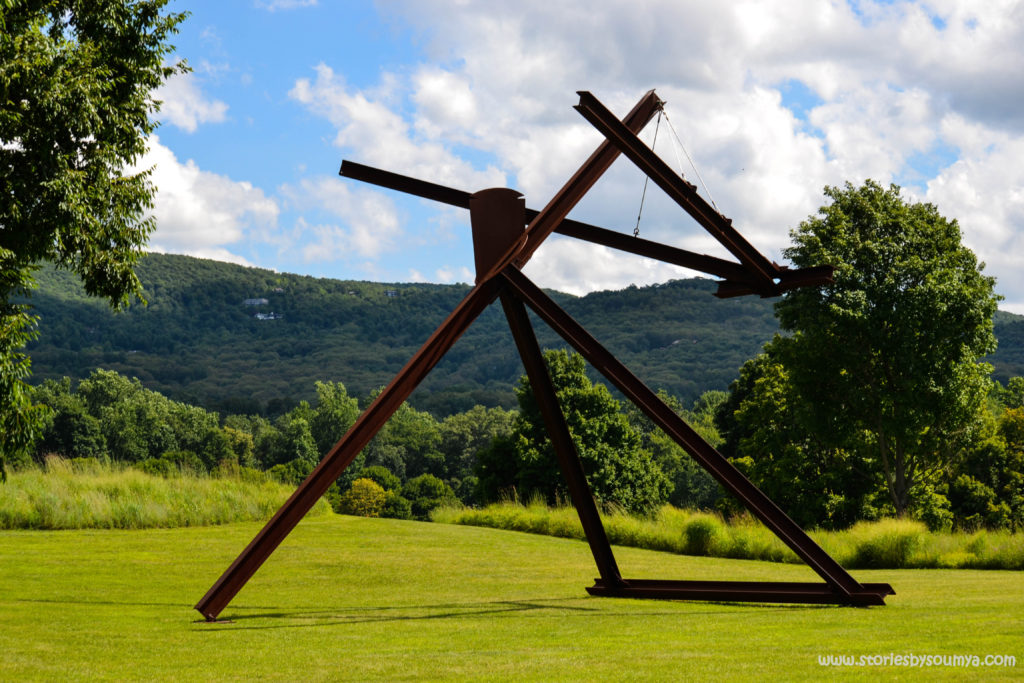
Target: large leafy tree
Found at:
76, 83
882, 368
617, 467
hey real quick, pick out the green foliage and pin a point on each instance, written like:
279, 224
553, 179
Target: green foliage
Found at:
619, 471
76, 82
396, 506
87, 494
173, 464
196, 340
425, 493
817, 484
365, 498
382, 475
690, 485
887, 543
879, 377
335, 412
112, 417
464, 435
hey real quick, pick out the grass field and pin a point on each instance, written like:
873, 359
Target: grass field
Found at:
349, 598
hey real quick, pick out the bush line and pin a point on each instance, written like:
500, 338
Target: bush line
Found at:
883, 544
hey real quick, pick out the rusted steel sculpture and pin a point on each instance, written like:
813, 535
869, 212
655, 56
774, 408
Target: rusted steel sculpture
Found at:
502, 246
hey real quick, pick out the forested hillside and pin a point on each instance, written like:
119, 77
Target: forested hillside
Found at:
247, 340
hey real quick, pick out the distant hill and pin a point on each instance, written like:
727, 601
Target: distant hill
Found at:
250, 340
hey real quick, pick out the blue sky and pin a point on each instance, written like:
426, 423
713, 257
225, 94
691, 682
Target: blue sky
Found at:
773, 100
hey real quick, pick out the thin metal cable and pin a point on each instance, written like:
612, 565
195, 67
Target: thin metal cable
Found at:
692, 165
657, 124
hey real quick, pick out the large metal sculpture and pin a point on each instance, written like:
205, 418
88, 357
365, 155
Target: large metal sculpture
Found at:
502, 246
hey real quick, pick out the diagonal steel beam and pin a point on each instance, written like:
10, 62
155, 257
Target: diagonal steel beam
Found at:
682, 192
549, 218
710, 459
346, 450
561, 440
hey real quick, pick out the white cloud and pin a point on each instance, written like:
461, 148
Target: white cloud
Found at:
381, 137
448, 274
201, 213
183, 104
275, 5
881, 86
371, 223
983, 191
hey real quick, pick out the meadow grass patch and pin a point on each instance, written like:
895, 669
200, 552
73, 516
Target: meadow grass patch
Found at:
885, 544
348, 598
63, 496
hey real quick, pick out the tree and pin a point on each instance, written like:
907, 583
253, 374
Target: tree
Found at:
335, 412
690, 485
76, 82
618, 469
883, 365
816, 483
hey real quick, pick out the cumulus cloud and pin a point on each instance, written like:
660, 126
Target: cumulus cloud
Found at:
774, 101
184, 105
202, 213
368, 221
382, 137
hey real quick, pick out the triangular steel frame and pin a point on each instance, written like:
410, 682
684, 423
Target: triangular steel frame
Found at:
502, 246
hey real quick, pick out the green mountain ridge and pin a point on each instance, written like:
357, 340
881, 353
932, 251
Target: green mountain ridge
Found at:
246, 340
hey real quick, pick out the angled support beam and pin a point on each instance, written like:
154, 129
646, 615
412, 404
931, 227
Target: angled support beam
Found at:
561, 439
551, 216
841, 583
345, 451
683, 193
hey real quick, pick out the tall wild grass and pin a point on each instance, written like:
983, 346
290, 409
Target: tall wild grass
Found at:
889, 544
63, 496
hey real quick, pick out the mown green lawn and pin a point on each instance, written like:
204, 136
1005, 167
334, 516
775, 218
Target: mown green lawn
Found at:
351, 598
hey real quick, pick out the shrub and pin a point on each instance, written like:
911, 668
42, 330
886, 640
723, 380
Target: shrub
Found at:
705, 534
396, 507
425, 493
382, 475
365, 498
887, 544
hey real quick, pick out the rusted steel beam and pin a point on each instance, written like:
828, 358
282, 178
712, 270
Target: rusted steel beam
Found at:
683, 193
742, 591
561, 440
345, 451
729, 270
675, 427
654, 250
545, 222
405, 184
788, 279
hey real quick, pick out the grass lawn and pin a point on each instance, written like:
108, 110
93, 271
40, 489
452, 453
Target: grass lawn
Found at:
352, 598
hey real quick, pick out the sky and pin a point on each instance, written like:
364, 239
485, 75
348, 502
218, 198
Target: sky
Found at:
766, 104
